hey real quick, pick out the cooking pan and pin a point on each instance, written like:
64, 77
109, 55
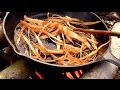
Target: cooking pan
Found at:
11, 19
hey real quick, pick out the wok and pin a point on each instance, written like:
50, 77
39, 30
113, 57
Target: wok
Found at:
11, 19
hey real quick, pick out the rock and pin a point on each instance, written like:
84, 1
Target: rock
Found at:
18, 70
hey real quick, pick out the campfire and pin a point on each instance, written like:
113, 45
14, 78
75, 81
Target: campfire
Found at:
13, 67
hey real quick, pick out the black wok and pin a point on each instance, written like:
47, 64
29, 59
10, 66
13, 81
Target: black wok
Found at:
12, 19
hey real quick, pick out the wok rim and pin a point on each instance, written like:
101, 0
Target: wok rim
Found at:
54, 65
